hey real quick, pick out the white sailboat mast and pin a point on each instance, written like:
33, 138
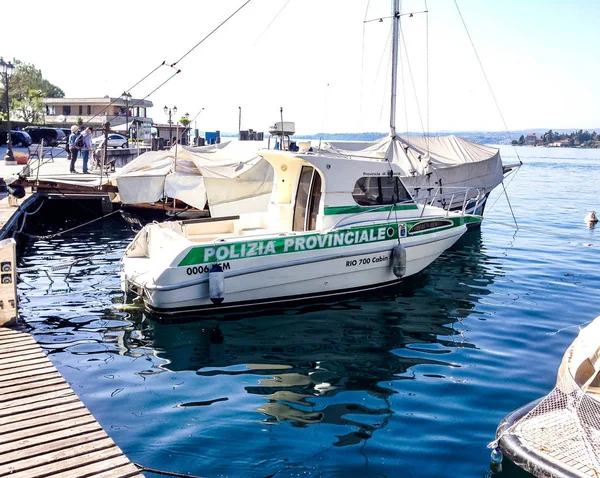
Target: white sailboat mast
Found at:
396, 20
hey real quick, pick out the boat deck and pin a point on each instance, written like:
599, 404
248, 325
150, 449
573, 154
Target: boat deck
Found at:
45, 430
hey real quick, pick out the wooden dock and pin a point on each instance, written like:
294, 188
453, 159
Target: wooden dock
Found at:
49, 176
45, 430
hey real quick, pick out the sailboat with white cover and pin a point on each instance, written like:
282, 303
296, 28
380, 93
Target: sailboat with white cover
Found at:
435, 165
333, 225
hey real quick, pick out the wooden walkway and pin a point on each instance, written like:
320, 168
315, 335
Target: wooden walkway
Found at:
45, 430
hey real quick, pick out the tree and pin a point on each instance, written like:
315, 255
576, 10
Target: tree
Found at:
522, 140
29, 109
27, 88
185, 121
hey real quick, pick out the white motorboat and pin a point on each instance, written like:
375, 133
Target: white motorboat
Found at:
333, 226
559, 434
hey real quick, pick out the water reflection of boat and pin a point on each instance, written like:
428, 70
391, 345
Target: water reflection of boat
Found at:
316, 364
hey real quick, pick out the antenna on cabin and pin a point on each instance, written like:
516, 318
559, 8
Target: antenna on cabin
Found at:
324, 115
282, 130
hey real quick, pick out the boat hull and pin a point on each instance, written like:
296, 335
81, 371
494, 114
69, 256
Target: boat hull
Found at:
270, 280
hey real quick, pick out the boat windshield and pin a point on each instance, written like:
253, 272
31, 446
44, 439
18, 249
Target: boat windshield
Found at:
380, 190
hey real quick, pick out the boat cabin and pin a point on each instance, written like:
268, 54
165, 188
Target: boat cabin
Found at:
313, 192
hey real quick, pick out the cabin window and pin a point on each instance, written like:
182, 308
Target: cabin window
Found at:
308, 197
380, 190
425, 225
313, 204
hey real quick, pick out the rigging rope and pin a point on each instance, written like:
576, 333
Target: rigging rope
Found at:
362, 65
427, 71
172, 65
130, 88
214, 30
271, 23
534, 230
485, 76
412, 80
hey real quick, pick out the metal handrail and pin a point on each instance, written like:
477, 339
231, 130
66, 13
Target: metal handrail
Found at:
429, 201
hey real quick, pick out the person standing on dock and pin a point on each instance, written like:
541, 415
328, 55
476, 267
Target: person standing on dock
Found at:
72, 148
87, 147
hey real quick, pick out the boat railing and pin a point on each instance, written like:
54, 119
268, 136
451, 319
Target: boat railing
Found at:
447, 197
453, 198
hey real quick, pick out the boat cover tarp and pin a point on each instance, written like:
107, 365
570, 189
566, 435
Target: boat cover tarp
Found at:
231, 176
236, 178
424, 160
157, 174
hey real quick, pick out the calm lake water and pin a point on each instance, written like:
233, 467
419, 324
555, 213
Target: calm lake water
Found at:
411, 383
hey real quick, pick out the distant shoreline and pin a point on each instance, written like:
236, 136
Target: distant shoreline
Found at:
576, 138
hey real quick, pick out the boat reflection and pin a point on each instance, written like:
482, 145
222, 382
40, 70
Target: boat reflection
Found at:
338, 363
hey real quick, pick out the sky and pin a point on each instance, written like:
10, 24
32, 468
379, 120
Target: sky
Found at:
321, 63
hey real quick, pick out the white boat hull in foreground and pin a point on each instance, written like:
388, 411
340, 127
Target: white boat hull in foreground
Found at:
275, 268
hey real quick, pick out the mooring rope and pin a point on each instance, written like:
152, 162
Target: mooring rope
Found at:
52, 236
165, 473
534, 230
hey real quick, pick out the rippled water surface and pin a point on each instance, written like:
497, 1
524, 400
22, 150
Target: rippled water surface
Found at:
411, 383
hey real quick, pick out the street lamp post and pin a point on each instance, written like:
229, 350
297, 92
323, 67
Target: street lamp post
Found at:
126, 97
170, 112
7, 71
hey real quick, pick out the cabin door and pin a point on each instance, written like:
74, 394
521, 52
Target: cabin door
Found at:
308, 197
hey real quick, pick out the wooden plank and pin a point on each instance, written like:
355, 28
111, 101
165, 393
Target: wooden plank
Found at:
35, 391
42, 382
121, 471
92, 462
66, 392
57, 435
9, 342
37, 449
24, 381
63, 419
16, 336
26, 349
47, 428
25, 372
41, 412
125, 471
50, 457
14, 333
38, 405
21, 352
23, 362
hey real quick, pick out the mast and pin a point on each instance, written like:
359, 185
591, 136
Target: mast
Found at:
396, 20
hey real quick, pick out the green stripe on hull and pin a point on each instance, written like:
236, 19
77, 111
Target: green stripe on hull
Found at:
228, 251
333, 210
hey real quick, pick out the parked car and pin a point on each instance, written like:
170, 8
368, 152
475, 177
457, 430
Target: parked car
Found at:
114, 141
51, 136
18, 138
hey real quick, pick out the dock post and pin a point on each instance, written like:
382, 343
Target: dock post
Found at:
8, 281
